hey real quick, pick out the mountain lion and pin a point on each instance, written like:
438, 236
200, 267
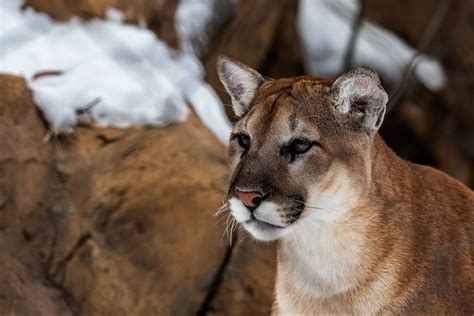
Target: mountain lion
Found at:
360, 230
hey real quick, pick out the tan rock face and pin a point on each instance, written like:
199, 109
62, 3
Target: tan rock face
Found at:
248, 284
118, 222
147, 198
159, 14
27, 188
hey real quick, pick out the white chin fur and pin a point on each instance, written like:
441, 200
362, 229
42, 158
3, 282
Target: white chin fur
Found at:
265, 234
267, 212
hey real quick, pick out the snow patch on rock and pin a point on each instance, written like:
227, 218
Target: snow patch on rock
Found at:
134, 78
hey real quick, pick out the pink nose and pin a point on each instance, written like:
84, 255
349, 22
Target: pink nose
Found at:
250, 199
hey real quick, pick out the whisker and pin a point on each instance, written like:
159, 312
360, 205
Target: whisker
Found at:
226, 226
307, 205
301, 233
224, 207
231, 231
220, 220
220, 214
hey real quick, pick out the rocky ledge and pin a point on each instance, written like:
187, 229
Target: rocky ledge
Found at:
118, 222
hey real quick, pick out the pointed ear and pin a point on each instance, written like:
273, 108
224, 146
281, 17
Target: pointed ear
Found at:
240, 81
359, 94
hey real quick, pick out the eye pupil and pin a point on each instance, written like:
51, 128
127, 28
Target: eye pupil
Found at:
300, 146
244, 141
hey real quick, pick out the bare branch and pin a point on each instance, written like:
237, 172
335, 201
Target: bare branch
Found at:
356, 25
431, 29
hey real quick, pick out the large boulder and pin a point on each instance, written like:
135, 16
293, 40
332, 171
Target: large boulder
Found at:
141, 237
158, 15
28, 187
109, 221
247, 286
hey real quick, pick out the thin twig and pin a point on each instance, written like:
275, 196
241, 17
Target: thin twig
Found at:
356, 25
86, 108
431, 29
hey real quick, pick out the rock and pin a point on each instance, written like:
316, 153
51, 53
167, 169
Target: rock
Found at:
248, 283
28, 185
147, 197
284, 58
438, 127
159, 15
110, 221
3, 200
244, 38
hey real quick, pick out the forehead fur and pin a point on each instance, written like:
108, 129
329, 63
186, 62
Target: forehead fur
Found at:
287, 105
294, 87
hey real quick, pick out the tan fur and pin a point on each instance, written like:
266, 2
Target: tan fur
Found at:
378, 235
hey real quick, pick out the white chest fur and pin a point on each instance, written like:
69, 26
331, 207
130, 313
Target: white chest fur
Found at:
317, 261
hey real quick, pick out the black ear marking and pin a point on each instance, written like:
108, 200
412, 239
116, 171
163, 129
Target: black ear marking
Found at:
359, 105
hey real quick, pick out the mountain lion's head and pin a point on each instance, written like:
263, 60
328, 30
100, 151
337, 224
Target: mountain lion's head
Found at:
301, 149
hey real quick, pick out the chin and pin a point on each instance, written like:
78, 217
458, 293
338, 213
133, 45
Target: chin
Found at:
265, 232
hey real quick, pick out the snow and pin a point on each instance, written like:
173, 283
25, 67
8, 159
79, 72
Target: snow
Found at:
197, 21
134, 78
123, 75
192, 17
375, 47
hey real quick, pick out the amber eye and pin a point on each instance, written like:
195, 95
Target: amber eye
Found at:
244, 141
300, 146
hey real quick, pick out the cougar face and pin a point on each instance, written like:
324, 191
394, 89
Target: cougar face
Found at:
297, 146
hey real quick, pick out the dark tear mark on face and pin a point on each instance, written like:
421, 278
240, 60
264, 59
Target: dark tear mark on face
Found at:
293, 121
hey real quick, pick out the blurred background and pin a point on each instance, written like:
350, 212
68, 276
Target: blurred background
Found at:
113, 127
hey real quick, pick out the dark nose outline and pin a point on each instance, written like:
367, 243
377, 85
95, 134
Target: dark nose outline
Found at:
251, 199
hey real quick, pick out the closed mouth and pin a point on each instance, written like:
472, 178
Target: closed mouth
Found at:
263, 225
